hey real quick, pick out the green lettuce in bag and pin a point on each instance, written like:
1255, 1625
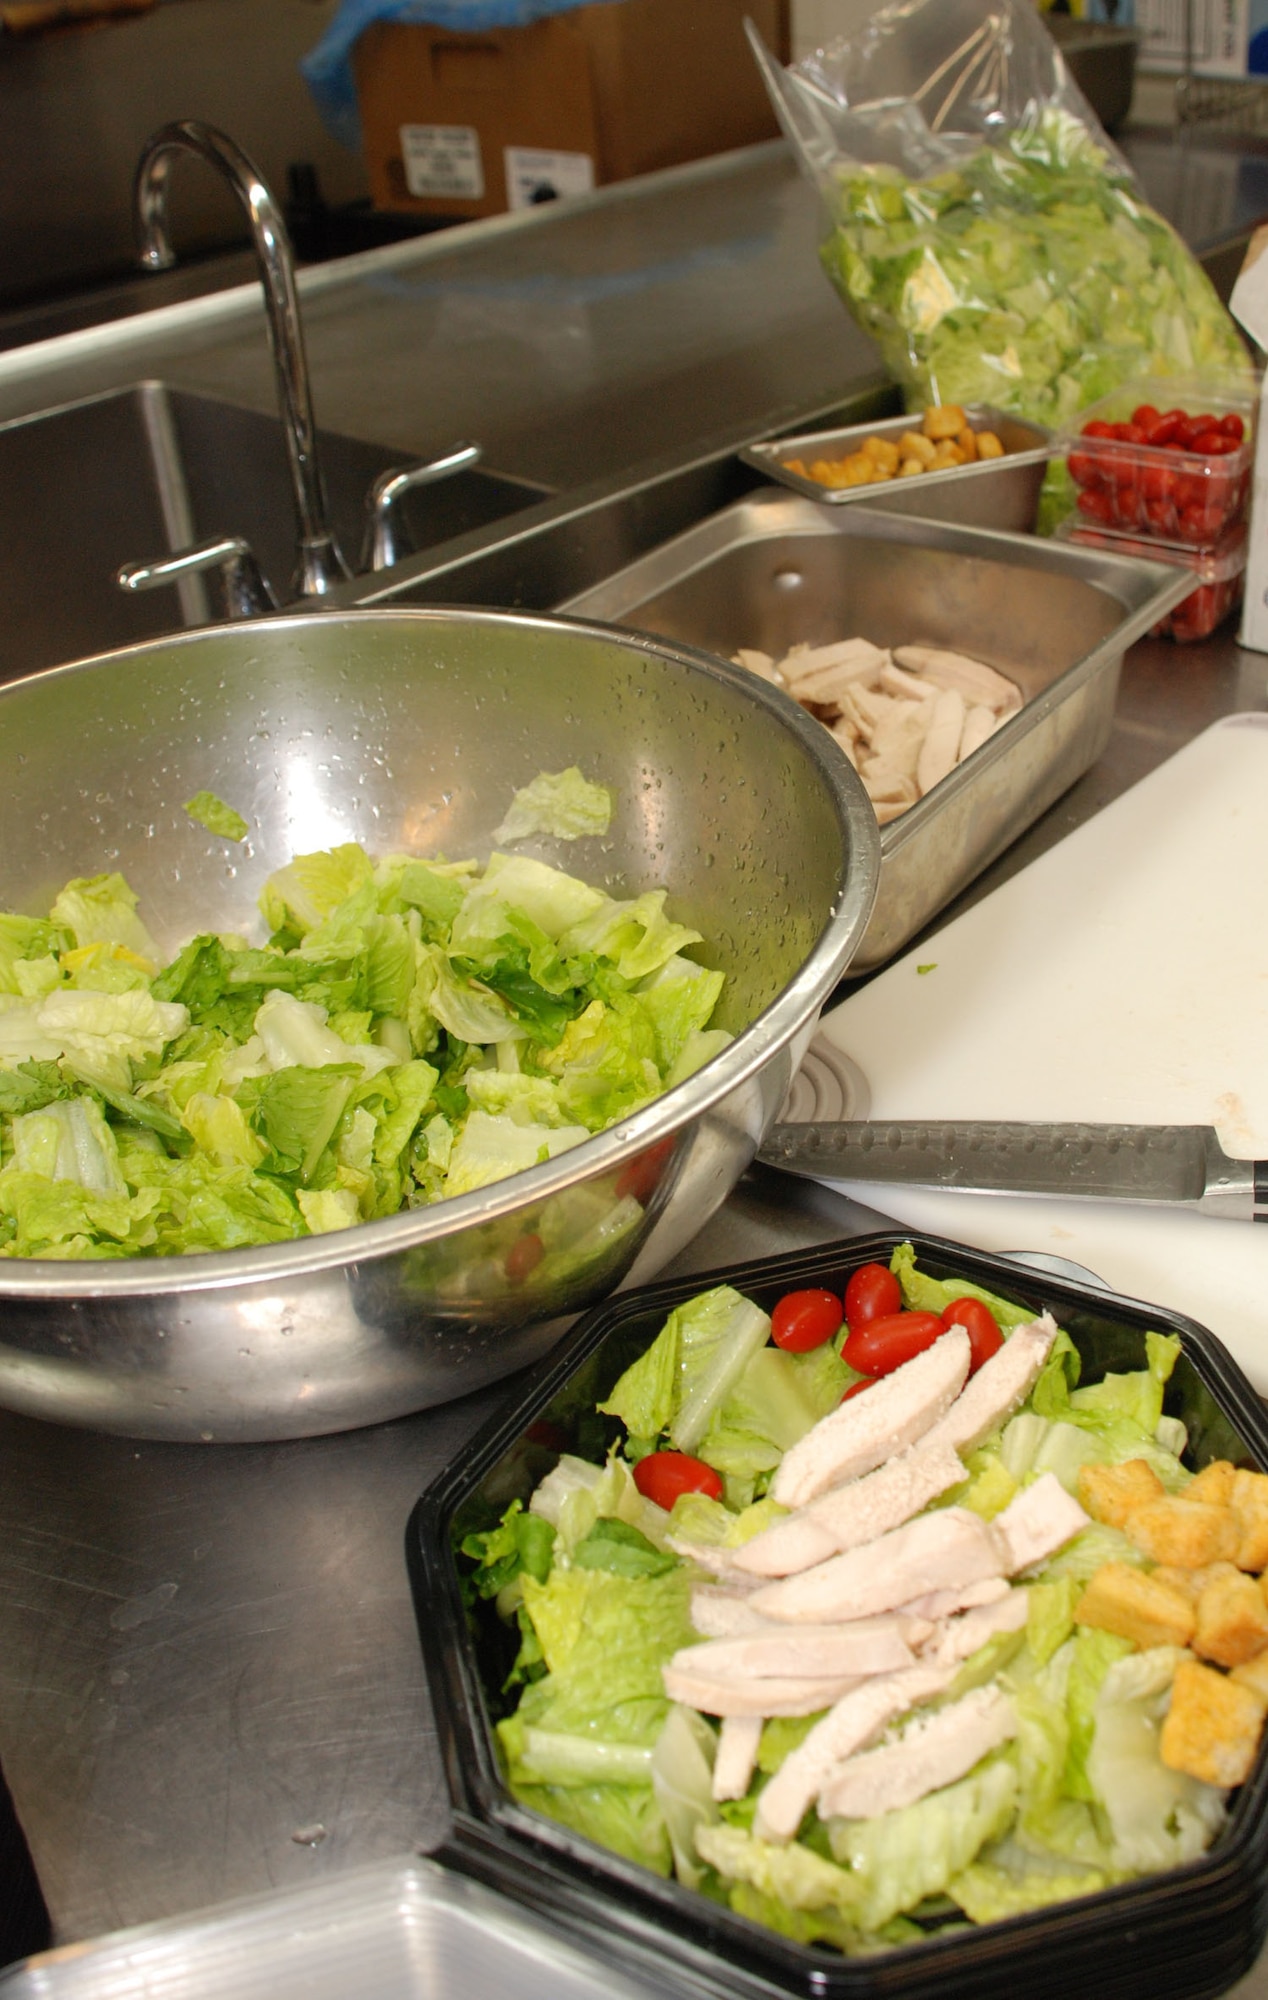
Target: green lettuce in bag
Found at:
980, 225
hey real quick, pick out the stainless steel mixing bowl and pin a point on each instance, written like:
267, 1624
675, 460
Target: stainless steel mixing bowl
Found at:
409, 730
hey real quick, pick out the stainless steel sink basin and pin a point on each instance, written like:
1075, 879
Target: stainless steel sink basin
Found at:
145, 470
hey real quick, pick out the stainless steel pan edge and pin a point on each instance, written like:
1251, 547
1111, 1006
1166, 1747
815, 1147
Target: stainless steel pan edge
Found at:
1026, 766
936, 848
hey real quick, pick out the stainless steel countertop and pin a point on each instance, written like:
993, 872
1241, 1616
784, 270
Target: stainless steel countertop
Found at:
209, 1675
571, 341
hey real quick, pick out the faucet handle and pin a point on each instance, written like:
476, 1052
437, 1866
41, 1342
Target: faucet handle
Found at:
381, 548
247, 592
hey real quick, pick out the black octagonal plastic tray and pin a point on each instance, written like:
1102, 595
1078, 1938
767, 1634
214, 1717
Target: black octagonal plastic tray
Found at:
1187, 1932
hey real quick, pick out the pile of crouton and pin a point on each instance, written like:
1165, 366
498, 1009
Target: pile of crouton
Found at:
905, 718
945, 438
1205, 1591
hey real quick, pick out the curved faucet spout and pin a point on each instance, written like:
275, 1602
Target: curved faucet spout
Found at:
320, 564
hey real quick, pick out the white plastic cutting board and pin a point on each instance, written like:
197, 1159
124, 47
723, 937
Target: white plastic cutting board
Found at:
1122, 976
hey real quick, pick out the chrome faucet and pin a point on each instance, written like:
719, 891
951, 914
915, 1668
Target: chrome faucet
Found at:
320, 565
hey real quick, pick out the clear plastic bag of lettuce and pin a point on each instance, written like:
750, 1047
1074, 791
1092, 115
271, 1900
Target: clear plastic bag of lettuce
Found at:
979, 223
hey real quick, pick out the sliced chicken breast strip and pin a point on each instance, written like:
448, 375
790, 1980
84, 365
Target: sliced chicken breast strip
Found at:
959, 1638
719, 1613
718, 1562
999, 1386
1041, 1520
945, 1603
868, 1646
940, 1551
733, 1766
851, 1515
868, 1430
854, 1721
785, 1694
933, 1751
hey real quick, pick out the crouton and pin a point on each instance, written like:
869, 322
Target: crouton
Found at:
1214, 1484
1111, 1492
1212, 1726
1253, 1674
914, 444
884, 453
1183, 1580
944, 420
1250, 1504
967, 441
1137, 1607
1250, 1491
1185, 1533
1232, 1621
988, 445
946, 453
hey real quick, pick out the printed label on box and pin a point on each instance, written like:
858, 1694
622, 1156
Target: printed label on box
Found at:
443, 159
1219, 35
534, 174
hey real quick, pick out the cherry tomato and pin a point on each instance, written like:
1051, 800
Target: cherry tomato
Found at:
978, 1322
639, 1175
1098, 429
664, 1475
1213, 444
873, 1290
523, 1257
1083, 469
1192, 526
1232, 426
857, 1388
550, 1435
802, 1320
1144, 416
1164, 432
884, 1344
1157, 482
1097, 506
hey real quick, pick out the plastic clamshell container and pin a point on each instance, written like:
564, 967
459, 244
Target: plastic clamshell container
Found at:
1187, 1932
990, 493
394, 1930
1221, 574
774, 569
1181, 499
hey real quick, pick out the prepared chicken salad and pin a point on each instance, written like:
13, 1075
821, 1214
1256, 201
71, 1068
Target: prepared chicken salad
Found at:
870, 1621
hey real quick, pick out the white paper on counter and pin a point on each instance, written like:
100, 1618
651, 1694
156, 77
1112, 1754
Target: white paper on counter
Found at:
1121, 977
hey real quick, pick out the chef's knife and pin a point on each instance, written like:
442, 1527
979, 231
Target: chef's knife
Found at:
1182, 1165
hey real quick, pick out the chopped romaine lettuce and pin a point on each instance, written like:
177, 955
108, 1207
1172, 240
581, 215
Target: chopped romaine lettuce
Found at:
687, 1374
212, 812
411, 1030
1030, 276
560, 802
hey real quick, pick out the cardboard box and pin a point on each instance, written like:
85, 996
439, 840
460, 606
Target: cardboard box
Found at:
473, 124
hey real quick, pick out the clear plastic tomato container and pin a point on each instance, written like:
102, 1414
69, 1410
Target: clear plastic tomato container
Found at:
1220, 574
1164, 458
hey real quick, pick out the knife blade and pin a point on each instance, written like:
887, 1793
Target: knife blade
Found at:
1179, 1165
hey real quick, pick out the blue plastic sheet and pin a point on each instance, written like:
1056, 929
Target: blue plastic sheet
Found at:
327, 69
